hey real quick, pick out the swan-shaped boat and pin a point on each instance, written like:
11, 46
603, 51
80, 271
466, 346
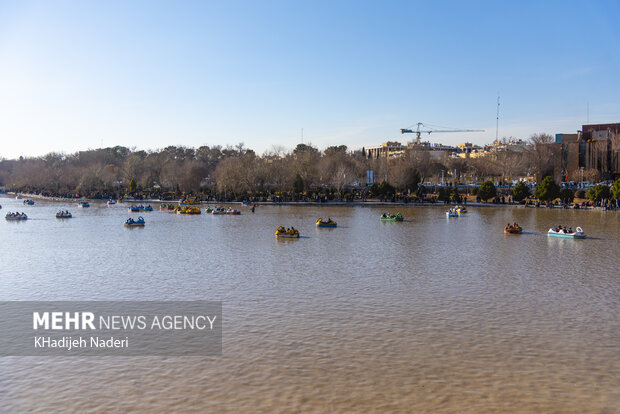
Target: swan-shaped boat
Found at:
567, 233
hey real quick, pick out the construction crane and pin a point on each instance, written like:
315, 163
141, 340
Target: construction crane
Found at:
432, 128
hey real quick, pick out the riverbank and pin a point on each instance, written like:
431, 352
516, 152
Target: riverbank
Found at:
368, 203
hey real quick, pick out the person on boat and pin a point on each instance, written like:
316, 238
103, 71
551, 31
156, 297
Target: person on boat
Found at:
570, 230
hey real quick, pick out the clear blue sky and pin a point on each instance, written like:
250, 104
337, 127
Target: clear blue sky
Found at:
74, 74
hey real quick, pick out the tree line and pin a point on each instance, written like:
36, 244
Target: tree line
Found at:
236, 172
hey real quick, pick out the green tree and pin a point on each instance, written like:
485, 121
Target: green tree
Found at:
383, 189
487, 190
456, 197
386, 189
335, 150
132, 185
298, 184
599, 192
443, 194
548, 190
616, 189
301, 148
520, 192
567, 195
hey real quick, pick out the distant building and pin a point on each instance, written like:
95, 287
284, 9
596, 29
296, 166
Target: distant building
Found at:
435, 150
394, 149
513, 144
389, 149
564, 138
595, 147
601, 148
468, 150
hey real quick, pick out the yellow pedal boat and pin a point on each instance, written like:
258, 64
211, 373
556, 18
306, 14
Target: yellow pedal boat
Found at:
326, 223
291, 233
189, 210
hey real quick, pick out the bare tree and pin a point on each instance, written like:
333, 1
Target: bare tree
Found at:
404, 176
541, 153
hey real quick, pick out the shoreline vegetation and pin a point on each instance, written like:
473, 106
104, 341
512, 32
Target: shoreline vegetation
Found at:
336, 175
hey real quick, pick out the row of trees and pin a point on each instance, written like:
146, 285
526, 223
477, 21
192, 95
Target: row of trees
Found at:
548, 190
236, 171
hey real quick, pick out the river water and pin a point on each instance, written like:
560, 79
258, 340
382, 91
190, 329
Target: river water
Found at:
428, 315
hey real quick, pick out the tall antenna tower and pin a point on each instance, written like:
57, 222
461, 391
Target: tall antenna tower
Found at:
497, 120
302, 135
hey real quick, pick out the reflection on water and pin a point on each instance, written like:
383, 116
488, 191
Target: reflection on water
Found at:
428, 315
